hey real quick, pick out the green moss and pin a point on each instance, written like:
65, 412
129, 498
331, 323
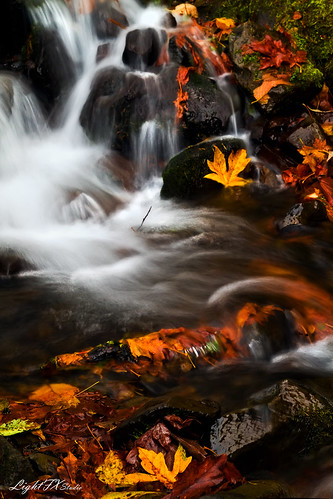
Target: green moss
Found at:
250, 59
318, 425
307, 75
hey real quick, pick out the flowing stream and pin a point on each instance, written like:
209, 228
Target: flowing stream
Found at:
77, 266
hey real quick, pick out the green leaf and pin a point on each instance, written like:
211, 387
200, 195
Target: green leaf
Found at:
17, 426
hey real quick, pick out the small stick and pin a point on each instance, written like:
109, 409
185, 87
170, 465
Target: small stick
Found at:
143, 220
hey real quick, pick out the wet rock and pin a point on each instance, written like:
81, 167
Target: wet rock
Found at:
208, 110
143, 47
13, 466
183, 177
305, 134
204, 412
258, 489
285, 420
108, 20
46, 464
310, 213
50, 68
120, 102
304, 86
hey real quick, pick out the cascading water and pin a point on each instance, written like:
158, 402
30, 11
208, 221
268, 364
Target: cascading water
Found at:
77, 261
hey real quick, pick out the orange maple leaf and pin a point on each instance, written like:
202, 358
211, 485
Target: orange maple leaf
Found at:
225, 25
269, 81
237, 161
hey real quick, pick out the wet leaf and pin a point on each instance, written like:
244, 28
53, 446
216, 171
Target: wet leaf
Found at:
155, 465
17, 426
112, 472
269, 81
215, 473
237, 161
56, 394
274, 53
251, 313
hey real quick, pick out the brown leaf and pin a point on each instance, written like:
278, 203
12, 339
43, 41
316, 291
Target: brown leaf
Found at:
213, 474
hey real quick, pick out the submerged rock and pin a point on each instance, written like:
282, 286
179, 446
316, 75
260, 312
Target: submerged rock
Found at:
286, 419
13, 466
183, 177
258, 489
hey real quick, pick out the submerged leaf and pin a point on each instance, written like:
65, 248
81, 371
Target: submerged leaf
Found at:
17, 426
237, 161
56, 394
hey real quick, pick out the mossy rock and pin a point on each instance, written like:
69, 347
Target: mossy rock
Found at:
306, 80
183, 177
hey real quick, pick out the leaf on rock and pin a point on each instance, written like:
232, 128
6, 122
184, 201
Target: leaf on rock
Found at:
237, 161
17, 426
133, 495
274, 53
56, 394
269, 81
155, 465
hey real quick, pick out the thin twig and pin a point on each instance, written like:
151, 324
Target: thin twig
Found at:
144, 218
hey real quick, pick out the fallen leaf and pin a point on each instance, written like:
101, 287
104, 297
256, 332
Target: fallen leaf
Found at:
56, 394
251, 313
213, 474
328, 127
155, 465
237, 161
185, 9
68, 468
269, 81
225, 25
274, 53
112, 472
17, 426
297, 15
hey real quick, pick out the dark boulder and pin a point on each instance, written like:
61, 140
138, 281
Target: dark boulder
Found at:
13, 466
207, 111
143, 47
50, 68
120, 102
183, 177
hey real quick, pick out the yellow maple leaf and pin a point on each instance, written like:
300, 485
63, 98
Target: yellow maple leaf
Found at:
155, 464
112, 472
56, 394
237, 161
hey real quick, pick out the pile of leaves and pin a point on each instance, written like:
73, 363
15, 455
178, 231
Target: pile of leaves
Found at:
313, 177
